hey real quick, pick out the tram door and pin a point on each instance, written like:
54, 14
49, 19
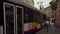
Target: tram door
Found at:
9, 18
19, 20
13, 19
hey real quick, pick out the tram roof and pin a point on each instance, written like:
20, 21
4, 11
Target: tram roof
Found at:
21, 2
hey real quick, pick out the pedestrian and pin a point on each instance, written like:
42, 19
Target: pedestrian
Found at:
47, 24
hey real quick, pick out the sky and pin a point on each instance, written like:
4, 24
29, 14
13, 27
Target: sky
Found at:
45, 3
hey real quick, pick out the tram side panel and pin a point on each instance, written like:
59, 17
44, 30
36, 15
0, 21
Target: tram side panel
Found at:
32, 21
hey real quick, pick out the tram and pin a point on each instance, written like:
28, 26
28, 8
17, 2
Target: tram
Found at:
20, 18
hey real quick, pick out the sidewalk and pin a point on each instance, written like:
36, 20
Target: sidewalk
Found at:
52, 30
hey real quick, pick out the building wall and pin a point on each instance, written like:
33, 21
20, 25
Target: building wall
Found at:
57, 23
55, 6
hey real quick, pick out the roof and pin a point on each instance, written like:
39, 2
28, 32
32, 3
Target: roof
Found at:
21, 2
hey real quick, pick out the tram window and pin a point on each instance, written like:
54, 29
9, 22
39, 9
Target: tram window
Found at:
31, 15
35, 17
28, 15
